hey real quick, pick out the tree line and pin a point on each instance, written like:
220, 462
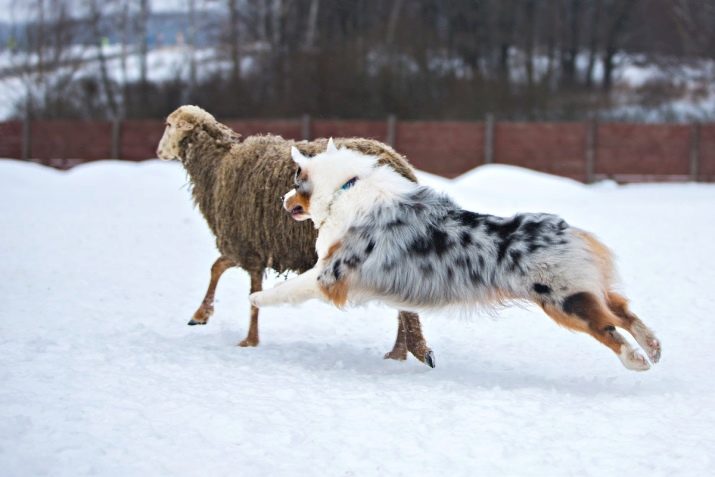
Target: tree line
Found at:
436, 59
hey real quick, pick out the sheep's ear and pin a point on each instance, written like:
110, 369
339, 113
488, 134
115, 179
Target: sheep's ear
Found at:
183, 125
298, 158
331, 146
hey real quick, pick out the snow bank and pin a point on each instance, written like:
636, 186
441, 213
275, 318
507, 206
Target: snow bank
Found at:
103, 265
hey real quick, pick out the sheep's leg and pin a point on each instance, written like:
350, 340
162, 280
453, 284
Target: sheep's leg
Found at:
296, 290
202, 315
410, 338
399, 350
251, 338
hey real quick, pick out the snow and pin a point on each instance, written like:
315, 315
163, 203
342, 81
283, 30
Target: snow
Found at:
103, 266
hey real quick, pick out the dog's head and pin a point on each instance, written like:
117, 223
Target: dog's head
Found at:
178, 124
319, 179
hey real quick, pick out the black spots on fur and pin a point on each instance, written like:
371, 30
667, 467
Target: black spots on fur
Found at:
531, 228
506, 233
475, 276
581, 304
440, 240
421, 246
395, 223
610, 328
561, 227
336, 269
481, 262
533, 247
388, 266
515, 260
427, 269
467, 218
542, 289
465, 238
370, 247
352, 261
434, 241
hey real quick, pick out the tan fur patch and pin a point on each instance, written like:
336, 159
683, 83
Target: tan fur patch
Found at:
592, 317
602, 255
298, 199
337, 293
333, 248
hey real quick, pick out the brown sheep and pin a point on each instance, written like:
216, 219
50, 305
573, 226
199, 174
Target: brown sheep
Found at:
237, 186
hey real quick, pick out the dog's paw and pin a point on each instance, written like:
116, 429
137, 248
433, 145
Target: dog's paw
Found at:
652, 347
633, 360
257, 299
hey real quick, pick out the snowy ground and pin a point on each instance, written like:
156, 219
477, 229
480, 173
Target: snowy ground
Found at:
103, 266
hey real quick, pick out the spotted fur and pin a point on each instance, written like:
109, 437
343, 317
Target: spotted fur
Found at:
384, 238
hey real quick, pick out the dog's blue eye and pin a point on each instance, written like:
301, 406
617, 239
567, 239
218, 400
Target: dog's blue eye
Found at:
349, 183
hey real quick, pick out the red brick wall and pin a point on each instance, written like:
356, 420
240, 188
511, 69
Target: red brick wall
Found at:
69, 139
289, 129
11, 139
556, 148
626, 152
636, 149
707, 153
367, 129
446, 148
139, 139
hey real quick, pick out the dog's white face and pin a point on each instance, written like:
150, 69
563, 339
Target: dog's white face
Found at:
319, 179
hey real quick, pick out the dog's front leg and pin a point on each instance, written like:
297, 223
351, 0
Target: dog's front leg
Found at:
296, 290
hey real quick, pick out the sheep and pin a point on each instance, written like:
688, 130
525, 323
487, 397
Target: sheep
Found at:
237, 187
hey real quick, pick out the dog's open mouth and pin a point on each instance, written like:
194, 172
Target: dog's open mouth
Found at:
297, 212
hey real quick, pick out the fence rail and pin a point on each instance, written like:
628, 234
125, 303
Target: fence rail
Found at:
585, 151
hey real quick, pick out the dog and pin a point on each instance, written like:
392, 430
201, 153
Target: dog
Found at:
382, 237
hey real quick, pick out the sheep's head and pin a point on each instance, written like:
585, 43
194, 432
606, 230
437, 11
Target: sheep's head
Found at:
178, 124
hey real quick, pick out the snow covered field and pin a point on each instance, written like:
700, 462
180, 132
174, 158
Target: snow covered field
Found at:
103, 265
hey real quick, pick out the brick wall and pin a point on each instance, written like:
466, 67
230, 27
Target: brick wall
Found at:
446, 148
625, 152
556, 148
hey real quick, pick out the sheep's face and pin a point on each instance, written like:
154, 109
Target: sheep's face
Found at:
176, 129
319, 180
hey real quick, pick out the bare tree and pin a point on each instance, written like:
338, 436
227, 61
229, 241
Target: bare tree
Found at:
616, 15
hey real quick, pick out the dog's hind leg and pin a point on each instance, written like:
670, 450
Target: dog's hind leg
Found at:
206, 309
251, 338
585, 312
410, 338
618, 304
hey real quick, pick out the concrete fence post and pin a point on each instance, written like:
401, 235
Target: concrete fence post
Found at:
305, 127
590, 153
116, 147
694, 152
489, 139
26, 143
391, 130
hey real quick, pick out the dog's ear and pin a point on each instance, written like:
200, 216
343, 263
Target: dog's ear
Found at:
297, 157
331, 146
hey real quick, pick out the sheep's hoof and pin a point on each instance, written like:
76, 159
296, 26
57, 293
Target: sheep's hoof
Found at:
248, 343
429, 359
